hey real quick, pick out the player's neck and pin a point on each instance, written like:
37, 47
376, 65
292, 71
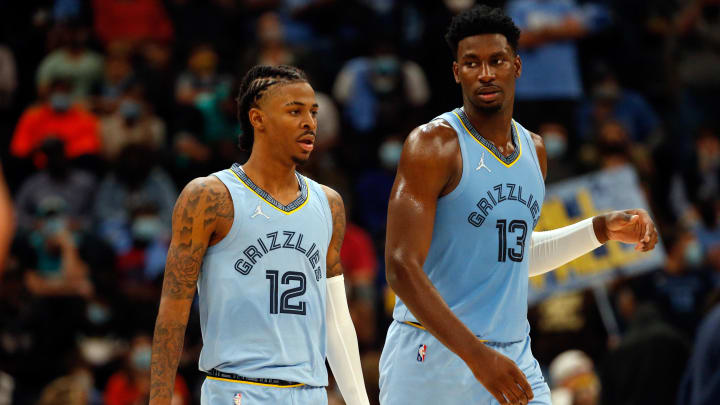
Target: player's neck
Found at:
270, 174
493, 126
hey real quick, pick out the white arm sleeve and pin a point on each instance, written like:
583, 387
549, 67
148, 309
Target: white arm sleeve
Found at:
551, 249
342, 346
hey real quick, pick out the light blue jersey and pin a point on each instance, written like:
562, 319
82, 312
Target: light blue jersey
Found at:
478, 258
262, 287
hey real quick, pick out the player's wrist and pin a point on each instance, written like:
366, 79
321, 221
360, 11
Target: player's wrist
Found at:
600, 228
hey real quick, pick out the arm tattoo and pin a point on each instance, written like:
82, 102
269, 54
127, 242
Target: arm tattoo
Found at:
334, 267
199, 208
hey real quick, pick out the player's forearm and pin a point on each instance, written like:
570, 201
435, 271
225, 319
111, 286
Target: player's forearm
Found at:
411, 284
166, 349
552, 249
342, 353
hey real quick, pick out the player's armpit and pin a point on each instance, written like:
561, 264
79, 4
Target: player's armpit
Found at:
201, 205
337, 209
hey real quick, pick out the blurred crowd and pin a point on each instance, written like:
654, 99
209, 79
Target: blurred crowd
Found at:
109, 107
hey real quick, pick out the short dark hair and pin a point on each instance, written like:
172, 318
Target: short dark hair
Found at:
481, 20
256, 81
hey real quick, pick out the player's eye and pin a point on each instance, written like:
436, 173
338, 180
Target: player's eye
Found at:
471, 64
294, 112
314, 113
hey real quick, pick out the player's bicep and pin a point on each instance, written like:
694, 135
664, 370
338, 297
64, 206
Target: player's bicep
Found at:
337, 210
423, 173
192, 222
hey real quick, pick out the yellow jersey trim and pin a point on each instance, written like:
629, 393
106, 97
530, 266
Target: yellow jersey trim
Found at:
271, 204
519, 142
255, 383
417, 325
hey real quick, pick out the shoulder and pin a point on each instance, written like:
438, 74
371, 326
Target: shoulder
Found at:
209, 187
435, 138
541, 153
334, 199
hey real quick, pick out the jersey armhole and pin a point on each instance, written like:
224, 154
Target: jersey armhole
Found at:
463, 157
233, 232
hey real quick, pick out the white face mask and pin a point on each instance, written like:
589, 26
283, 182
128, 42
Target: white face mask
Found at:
555, 145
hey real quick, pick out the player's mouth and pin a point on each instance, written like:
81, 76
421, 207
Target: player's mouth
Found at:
307, 142
488, 93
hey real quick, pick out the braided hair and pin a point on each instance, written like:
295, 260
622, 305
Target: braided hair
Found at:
252, 88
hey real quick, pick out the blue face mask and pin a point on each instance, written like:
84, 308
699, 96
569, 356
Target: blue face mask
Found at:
693, 254
555, 145
130, 110
97, 314
141, 358
389, 154
60, 102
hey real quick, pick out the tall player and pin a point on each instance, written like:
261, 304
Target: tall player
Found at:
262, 242
460, 241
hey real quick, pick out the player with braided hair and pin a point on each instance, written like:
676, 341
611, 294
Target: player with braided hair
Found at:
261, 244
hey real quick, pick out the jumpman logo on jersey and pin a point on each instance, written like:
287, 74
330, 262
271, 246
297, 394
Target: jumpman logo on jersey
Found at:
258, 211
482, 164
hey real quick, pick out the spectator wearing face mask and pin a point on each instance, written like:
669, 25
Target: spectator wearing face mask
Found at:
132, 123
73, 61
58, 180
57, 117
684, 282
573, 379
131, 384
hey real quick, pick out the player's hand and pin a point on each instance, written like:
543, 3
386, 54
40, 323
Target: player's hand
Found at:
631, 226
501, 377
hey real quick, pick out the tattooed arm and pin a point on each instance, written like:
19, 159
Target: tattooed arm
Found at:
342, 348
202, 216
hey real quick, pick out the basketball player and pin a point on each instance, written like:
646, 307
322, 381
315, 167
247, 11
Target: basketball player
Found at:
262, 243
460, 241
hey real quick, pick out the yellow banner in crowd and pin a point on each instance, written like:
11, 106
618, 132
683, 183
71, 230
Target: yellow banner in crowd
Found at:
575, 199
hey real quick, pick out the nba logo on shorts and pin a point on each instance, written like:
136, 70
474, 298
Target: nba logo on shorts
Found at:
237, 399
421, 353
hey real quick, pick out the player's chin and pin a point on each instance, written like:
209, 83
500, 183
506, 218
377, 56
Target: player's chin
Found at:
301, 159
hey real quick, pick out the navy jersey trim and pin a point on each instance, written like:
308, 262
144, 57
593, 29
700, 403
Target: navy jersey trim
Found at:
297, 203
509, 160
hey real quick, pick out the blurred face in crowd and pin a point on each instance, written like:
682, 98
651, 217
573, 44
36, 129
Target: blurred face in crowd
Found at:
203, 61
486, 69
287, 118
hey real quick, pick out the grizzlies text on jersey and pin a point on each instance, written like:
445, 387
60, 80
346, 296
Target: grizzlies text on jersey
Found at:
262, 287
478, 257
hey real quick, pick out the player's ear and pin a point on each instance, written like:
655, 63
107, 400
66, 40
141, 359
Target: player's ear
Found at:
518, 66
456, 72
257, 118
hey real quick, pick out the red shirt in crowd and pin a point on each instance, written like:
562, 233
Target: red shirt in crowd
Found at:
131, 20
76, 127
358, 254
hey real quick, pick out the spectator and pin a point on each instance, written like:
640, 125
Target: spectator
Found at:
73, 61
119, 76
135, 180
684, 282
57, 117
131, 385
561, 163
361, 269
72, 188
376, 91
701, 383
550, 84
75, 388
609, 101
133, 123
131, 21
7, 222
573, 379
8, 76
634, 373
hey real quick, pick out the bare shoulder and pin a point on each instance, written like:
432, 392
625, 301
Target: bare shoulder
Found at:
435, 138
337, 209
541, 153
207, 198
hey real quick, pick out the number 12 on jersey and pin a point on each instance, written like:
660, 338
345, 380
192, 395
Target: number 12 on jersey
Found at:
513, 253
283, 304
